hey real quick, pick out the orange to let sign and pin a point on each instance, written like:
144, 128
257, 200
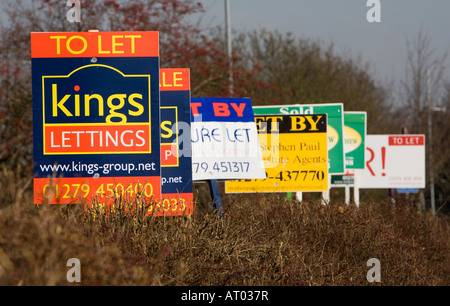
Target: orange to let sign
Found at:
96, 118
394, 161
94, 44
176, 163
174, 79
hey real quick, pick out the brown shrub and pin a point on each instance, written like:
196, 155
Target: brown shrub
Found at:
262, 240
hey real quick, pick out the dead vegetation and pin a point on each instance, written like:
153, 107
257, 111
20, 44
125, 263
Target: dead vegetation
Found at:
262, 240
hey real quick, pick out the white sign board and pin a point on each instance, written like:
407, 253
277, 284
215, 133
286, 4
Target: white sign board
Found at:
394, 161
225, 143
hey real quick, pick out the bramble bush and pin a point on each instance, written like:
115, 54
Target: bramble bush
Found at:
262, 240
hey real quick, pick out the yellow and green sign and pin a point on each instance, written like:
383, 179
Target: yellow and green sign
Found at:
335, 118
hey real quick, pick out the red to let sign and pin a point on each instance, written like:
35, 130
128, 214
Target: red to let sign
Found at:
394, 161
416, 140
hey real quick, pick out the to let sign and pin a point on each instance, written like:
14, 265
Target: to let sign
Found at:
225, 142
95, 116
394, 161
176, 149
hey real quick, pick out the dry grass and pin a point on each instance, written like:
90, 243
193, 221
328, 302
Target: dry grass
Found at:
263, 240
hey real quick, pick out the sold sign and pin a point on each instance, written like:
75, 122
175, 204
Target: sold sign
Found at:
394, 161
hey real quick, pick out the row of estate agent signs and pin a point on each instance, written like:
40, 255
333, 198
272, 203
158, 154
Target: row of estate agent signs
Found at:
108, 123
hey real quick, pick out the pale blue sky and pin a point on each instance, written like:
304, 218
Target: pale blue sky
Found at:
344, 23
